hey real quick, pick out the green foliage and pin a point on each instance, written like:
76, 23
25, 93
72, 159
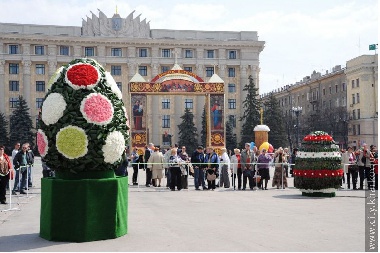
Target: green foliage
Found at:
188, 131
275, 121
21, 124
251, 115
4, 137
231, 142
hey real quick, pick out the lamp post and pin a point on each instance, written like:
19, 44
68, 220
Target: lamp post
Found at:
297, 110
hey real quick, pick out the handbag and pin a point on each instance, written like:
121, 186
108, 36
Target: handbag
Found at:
211, 177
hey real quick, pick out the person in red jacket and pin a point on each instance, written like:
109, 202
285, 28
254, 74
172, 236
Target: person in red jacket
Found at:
6, 172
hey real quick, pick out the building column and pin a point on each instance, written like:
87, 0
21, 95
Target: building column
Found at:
2, 86
27, 81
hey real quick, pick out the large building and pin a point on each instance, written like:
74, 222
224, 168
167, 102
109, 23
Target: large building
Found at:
342, 102
30, 54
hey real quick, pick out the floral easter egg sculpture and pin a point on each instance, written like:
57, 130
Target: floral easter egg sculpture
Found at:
317, 171
83, 123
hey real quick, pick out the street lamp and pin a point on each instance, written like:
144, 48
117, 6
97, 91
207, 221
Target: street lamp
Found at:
297, 110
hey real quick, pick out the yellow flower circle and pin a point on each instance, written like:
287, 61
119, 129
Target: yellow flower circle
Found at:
72, 142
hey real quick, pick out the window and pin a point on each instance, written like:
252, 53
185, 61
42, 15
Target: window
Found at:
165, 103
324, 104
189, 103
357, 98
165, 121
353, 114
119, 85
358, 110
188, 53
232, 119
13, 49
13, 102
324, 91
40, 86
232, 54
116, 70
189, 69
357, 82
40, 69
164, 69
165, 53
353, 98
209, 71
358, 129
343, 86
343, 101
116, 52
231, 72
39, 50
14, 86
336, 88
231, 88
231, 103
353, 83
89, 51
39, 102
353, 129
63, 50
210, 54
143, 52
13, 68
143, 70
330, 90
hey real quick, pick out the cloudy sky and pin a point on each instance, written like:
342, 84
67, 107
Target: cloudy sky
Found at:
300, 35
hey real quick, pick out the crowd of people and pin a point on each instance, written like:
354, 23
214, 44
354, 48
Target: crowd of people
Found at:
209, 170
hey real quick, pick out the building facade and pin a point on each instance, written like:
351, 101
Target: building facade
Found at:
30, 54
342, 103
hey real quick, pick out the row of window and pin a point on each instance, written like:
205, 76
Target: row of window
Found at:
166, 120
14, 69
355, 99
189, 103
356, 114
118, 52
343, 88
355, 129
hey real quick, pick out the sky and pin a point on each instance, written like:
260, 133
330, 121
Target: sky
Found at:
300, 35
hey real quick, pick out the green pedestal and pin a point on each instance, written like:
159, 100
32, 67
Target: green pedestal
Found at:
84, 210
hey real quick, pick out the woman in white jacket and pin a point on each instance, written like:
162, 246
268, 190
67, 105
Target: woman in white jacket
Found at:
224, 169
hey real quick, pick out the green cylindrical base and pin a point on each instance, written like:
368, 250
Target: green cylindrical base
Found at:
319, 194
84, 210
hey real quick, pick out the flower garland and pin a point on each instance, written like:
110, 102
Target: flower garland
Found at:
322, 154
42, 143
53, 108
72, 142
114, 147
318, 173
113, 85
82, 76
97, 109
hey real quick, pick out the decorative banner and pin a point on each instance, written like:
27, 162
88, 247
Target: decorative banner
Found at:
176, 86
139, 138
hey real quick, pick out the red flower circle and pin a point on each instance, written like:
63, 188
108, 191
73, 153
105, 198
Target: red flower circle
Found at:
82, 76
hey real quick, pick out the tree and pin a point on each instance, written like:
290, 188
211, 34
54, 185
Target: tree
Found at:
21, 124
231, 142
275, 121
188, 131
251, 115
203, 131
4, 137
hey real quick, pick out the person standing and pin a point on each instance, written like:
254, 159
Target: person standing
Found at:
279, 178
197, 160
166, 165
263, 161
5, 173
212, 163
236, 168
350, 167
224, 169
293, 160
22, 159
247, 158
365, 167
287, 157
135, 160
184, 167
156, 164
174, 162
148, 152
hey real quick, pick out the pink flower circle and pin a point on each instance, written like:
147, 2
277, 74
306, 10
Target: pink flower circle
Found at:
42, 143
97, 109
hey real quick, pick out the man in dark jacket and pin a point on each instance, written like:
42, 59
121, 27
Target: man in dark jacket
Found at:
22, 159
197, 160
148, 151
